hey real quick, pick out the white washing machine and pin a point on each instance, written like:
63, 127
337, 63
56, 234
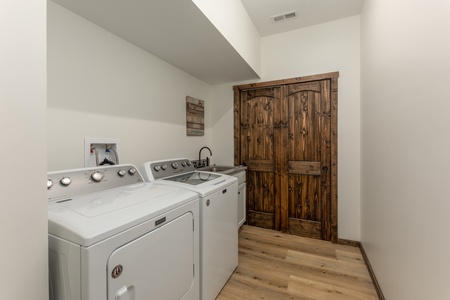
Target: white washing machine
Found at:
218, 218
113, 236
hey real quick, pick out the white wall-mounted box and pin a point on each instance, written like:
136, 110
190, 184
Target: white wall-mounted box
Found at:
101, 151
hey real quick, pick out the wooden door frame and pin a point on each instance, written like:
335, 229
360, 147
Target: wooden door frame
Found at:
333, 78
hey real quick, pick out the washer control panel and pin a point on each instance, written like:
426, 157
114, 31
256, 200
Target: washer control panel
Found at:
71, 183
167, 168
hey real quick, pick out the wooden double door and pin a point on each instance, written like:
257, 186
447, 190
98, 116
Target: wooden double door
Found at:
286, 134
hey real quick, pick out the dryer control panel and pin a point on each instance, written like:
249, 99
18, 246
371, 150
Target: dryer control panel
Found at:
75, 182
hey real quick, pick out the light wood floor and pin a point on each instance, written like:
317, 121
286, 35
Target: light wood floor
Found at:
277, 266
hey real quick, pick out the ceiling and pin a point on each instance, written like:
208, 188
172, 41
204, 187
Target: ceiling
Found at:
309, 12
178, 32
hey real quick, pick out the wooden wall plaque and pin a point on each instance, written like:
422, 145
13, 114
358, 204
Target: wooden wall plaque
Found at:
195, 117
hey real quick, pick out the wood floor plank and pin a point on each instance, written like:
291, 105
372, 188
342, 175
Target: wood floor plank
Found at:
265, 248
280, 241
318, 290
356, 258
328, 264
296, 239
255, 262
278, 266
243, 287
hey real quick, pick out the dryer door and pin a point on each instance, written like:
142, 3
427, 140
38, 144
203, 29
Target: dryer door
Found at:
158, 265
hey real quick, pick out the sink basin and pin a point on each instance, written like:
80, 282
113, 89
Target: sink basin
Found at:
238, 172
218, 169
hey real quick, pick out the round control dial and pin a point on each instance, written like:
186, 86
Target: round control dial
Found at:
65, 181
174, 165
157, 168
49, 183
121, 172
132, 171
97, 176
164, 167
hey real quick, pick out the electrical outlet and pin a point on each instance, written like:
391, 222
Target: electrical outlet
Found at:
101, 151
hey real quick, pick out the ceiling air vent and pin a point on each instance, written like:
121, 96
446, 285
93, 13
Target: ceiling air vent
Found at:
284, 17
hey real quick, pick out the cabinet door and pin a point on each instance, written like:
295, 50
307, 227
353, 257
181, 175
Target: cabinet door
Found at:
242, 209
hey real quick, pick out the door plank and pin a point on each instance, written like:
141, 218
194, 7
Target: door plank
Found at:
261, 165
282, 159
309, 78
260, 219
305, 167
243, 128
306, 228
304, 202
334, 160
261, 191
325, 144
237, 125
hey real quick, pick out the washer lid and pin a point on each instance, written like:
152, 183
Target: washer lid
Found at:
208, 184
90, 218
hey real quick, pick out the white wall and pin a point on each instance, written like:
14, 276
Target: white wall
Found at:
406, 146
240, 32
329, 47
222, 139
101, 86
23, 204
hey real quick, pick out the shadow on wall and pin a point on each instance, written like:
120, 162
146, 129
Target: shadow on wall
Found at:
92, 70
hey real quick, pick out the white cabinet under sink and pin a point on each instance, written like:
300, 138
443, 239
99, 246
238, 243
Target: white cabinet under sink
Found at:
241, 203
241, 175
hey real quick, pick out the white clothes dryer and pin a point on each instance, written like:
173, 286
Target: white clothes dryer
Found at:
113, 236
218, 217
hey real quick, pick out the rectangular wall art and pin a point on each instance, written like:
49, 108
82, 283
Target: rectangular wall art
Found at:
195, 116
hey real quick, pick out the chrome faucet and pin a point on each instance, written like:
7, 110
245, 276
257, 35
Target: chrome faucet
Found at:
200, 155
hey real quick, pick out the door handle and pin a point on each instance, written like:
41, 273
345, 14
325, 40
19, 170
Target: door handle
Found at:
325, 168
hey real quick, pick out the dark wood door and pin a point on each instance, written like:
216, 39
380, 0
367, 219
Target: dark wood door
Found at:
286, 134
308, 158
260, 115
